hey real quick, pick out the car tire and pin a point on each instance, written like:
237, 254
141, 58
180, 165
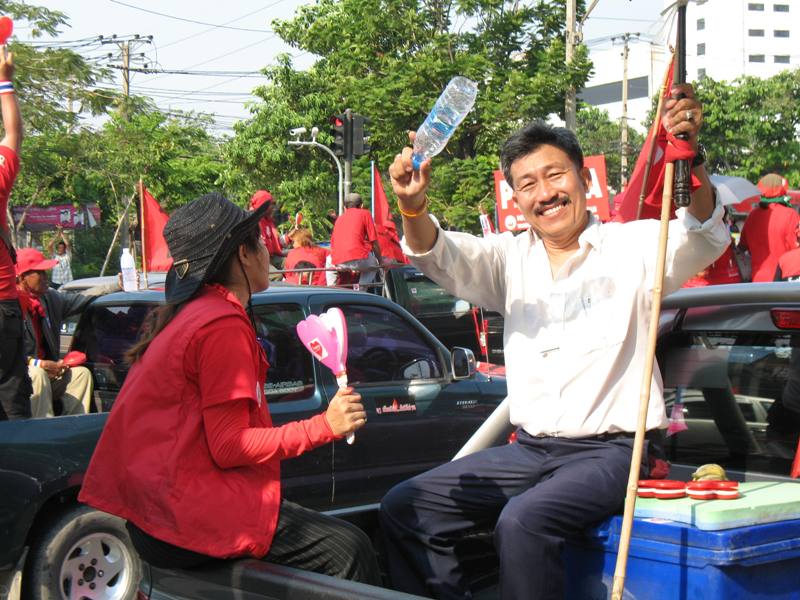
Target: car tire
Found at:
85, 553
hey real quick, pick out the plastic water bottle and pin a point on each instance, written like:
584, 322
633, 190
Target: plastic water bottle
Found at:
450, 109
128, 267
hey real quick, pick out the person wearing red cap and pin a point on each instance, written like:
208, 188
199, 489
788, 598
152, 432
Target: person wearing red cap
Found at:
769, 230
44, 310
15, 385
273, 240
789, 264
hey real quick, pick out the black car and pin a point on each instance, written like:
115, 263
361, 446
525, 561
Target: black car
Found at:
454, 321
423, 400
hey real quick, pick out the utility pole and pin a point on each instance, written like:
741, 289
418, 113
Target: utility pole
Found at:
623, 138
570, 108
574, 37
348, 158
126, 66
124, 44
623, 121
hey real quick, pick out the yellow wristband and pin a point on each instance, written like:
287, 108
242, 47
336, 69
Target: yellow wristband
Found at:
419, 211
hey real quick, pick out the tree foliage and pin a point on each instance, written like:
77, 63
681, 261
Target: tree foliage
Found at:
598, 134
751, 125
389, 60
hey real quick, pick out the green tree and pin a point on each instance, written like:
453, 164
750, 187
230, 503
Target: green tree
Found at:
751, 125
598, 134
389, 60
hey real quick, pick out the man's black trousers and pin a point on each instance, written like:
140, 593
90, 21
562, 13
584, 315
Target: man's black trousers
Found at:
534, 492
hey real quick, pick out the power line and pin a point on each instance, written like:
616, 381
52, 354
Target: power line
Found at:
252, 74
188, 37
216, 57
214, 26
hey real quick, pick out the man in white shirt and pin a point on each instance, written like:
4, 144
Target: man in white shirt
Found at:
576, 295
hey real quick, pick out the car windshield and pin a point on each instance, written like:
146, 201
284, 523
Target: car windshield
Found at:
426, 297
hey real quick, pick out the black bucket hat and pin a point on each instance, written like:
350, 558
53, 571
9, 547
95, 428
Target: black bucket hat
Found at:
201, 236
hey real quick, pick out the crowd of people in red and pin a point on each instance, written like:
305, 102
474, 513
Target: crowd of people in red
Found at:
358, 248
769, 242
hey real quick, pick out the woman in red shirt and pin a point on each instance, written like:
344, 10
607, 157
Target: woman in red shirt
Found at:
189, 455
305, 250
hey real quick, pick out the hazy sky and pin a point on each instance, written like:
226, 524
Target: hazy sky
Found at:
244, 45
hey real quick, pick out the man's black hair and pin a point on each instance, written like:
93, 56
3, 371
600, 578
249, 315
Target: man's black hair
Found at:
531, 137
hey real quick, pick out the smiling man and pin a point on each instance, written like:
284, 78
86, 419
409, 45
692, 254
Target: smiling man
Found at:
576, 295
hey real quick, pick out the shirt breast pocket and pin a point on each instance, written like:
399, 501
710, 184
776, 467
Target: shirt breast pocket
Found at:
601, 323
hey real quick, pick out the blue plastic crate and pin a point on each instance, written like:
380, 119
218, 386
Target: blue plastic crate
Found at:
675, 561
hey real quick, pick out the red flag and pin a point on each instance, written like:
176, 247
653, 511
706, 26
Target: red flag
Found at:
388, 240
667, 149
155, 252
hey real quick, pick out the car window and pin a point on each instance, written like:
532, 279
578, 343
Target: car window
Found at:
740, 397
291, 370
111, 332
382, 347
424, 297
105, 337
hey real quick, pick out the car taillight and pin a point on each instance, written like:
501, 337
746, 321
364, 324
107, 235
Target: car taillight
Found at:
786, 318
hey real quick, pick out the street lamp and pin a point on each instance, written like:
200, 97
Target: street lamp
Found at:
297, 132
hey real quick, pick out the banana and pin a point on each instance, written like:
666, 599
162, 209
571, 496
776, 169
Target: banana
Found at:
709, 472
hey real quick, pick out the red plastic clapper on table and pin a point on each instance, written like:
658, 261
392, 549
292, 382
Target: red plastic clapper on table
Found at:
6, 29
325, 336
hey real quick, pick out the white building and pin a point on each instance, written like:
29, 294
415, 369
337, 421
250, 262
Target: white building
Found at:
726, 39
731, 38
646, 66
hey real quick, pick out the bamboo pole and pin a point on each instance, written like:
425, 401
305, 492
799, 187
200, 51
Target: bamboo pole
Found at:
652, 137
644, 397
116, 234
142, 222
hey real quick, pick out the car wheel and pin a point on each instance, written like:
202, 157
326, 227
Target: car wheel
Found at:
84, 554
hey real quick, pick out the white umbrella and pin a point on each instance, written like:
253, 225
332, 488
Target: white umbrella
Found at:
733, 190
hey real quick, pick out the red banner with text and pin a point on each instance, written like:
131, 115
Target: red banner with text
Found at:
67, 216
510, 218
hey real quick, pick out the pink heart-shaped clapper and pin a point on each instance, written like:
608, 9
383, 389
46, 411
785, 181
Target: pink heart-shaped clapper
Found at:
325, 336
334, 321
321, 341
6, 29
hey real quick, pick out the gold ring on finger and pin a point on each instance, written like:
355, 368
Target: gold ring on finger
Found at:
690, 115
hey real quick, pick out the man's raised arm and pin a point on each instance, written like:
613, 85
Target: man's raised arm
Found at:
12, 119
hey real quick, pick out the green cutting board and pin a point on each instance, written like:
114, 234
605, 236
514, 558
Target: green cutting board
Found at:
758, 502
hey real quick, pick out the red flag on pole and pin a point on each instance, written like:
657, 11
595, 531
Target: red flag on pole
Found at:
156, 253
667, 149
388, 240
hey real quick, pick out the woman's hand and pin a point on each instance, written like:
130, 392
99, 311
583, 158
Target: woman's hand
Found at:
345, 412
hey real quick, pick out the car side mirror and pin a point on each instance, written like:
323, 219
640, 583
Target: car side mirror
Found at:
462, 363
461, 308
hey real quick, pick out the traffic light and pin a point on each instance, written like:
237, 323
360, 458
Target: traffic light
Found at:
360, 135
342, 135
